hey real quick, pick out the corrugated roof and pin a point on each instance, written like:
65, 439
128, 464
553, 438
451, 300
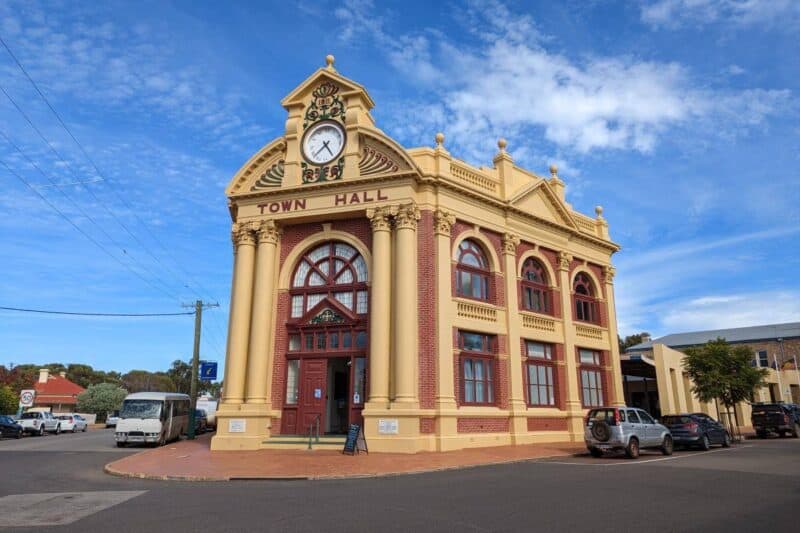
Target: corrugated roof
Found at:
748, 334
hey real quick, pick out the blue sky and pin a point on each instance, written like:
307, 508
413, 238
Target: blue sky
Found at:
680, 117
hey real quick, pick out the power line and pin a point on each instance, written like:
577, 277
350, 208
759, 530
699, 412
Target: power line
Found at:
50, 312
100, 174
71, 223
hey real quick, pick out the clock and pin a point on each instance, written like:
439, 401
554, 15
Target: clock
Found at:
323, 142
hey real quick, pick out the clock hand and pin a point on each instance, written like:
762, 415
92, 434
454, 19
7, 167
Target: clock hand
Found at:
327, 148
324, 145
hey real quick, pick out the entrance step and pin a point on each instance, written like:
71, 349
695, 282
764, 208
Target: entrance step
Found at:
300, 442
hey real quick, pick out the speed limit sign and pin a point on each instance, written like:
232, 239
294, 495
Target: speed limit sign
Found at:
26, 398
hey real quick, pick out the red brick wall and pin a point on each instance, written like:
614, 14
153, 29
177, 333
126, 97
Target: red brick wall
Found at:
483, 425
427, 425
426, 296
546, 424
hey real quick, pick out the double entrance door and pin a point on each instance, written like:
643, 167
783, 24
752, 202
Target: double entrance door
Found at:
329, 393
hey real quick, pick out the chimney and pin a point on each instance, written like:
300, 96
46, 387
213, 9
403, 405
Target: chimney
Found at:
44, 374
63, 374
646, 337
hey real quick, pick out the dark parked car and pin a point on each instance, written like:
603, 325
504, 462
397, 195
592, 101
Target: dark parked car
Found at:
200, 421
10, 428
780, 418
696, 429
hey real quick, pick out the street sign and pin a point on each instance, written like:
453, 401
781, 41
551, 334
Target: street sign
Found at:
26, 397
208, 370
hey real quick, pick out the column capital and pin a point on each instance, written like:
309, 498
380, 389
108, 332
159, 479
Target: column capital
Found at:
407, 216
243, 233
268, 232
379, 218
443, 222
608, 273
564, 260
510, 243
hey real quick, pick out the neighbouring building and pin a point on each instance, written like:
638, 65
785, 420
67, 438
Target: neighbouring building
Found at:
653, 376
56, 392
439, 304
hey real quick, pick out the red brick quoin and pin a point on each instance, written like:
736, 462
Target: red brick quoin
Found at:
426, 296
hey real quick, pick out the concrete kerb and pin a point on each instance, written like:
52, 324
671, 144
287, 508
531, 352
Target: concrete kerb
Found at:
108, 469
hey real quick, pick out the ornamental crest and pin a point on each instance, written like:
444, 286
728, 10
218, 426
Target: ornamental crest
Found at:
313, 174
325, 104
327, 317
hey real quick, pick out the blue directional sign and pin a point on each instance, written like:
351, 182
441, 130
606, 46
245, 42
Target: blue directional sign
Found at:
208, 370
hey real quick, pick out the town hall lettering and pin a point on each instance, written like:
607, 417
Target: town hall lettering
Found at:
346, 198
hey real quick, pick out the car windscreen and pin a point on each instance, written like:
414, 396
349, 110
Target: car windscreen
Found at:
28, 416
141, 409
676, 420
602, 414
64, 417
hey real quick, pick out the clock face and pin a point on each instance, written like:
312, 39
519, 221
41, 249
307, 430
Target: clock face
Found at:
323, 142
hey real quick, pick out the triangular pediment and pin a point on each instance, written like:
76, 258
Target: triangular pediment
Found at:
328, 311
539, 200
301, 93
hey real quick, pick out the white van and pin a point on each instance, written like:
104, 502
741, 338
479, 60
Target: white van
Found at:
153, 418
209, 405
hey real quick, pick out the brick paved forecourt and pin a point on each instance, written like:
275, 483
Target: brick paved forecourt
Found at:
194, 461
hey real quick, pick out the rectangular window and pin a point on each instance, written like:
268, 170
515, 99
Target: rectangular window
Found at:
763, 359
589, 357
541, 390
359, 380
320, 341
539, 350
309, 341
478, 386
475, 342
347, 340
292, 379
333, 341
361, 302
361, 339
534, 299
294, 342
297, 306
472, 285
591, 388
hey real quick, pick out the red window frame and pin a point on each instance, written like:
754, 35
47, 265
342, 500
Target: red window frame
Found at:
486, 357
469, 247
585, 305
588, 372
534, 281
551, 380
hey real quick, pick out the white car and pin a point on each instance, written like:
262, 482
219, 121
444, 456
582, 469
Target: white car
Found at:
72, 422
37, 422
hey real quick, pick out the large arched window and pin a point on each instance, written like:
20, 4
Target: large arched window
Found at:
472, 271
585, 302
335, 270
534, 289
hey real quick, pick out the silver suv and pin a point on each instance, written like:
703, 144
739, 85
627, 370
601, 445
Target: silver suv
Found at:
624, 428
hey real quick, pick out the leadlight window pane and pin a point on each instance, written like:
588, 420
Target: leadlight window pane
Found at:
316, 280
294, 342
297, 306
361, 339
333, 340
313, 299
361, 268
347, 339
319, 253
346, 299
345, 251
361, 302
324, 267
292, 378
320, 341
338, 266
300, 275
345, 278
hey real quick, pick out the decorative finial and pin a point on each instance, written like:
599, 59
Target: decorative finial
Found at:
553, 171
439, 138
502, 143
329, 59
599, 211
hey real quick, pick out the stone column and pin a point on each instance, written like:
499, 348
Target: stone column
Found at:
380, 307
241, 299
573, 407
516, 393
405, 305
616, 365
445, 393
258, 360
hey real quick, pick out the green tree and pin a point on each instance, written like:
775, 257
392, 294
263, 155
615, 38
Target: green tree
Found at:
181, 375
145, 381
631, 340
19, 377
100, 399
723, 373
8, 400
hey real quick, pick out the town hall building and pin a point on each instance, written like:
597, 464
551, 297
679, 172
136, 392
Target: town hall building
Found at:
438, 305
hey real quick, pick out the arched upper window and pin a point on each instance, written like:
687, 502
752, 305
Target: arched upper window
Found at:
335, 270
472, 271
534, 289
586, 308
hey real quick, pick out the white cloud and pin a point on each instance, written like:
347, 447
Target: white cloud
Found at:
732, 311
674, 14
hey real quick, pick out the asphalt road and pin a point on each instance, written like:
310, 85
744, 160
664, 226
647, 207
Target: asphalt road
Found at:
755, 485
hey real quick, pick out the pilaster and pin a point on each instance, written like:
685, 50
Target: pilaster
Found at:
516, 398
573, 406
613, 349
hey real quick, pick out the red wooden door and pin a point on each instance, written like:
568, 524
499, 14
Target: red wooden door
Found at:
313, 394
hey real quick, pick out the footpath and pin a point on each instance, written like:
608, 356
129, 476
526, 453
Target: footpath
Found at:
192, 460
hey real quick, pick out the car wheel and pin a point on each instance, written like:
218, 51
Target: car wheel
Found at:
74, 429
19, 434
796, 431
163, 440
761, 434
667, 447
726, 441
596, 452
705, 444
120, 445
41, 430
632, 450
58, 429
84, 429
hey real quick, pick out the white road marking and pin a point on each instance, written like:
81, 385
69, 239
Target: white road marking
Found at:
641, 462
58, 508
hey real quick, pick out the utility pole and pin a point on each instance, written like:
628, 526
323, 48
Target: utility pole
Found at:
198, 305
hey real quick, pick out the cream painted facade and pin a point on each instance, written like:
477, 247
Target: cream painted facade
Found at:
408, 374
